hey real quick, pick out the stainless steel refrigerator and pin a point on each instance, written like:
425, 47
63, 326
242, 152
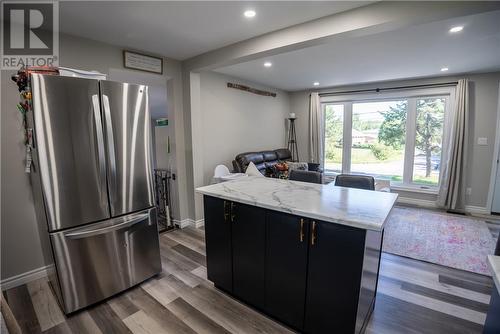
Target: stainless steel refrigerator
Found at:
92, 163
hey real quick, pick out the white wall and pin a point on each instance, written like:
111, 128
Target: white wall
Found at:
21, 244
234, 121
375, 18
483, 109
161, 139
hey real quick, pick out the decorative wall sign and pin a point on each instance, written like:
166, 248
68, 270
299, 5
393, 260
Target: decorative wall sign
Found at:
250, 89
162, 122
138, 61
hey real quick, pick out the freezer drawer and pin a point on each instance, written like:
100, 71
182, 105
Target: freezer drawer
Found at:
99, 260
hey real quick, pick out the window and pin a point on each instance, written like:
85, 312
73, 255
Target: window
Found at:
397, 136
428, 141
377, 145
334, 124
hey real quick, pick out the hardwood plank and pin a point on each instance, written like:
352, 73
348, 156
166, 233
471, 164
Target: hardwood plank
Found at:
181, 260
437, 269
188, 241
194, 318
61, 328
195, 233
107, 320
224, 310
82, 323
140, 323
44, 302
394, 290
428, 279
160, 290
392, 315
173, 268
19, 301
122, 306
191, 254
481, 288
446, 297
166, 242
201, 272
156, 311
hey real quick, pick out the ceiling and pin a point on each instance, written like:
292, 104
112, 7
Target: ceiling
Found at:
181, 30
413, 52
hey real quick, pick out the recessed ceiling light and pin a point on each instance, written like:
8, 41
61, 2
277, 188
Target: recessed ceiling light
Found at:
444, 69
457, 29
316, 83
268, 64
249, 13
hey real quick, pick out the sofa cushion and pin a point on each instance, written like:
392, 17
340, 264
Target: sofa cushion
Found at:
261, 167
243, 159
262, 160
270, 156
270, 164
283, 154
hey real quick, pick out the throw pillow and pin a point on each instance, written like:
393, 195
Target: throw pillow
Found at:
280, 171
252, 170
297, 166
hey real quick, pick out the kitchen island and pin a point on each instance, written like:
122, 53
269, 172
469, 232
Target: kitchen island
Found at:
305, 254
492, 324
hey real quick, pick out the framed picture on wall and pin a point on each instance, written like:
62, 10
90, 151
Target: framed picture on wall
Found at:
142, 62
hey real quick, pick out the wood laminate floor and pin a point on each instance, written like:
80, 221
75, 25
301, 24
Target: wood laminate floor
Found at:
413, 297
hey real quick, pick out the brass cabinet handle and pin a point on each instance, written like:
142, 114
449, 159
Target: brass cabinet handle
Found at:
313, 233
226, 211
233, 213
301, 235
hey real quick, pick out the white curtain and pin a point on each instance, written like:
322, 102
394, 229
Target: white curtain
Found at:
315, 130
454, 159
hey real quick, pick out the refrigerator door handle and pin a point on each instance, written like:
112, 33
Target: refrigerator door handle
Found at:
111, 147
100, 146
89, 233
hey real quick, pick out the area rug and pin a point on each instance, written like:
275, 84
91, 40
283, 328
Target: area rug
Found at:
450, 240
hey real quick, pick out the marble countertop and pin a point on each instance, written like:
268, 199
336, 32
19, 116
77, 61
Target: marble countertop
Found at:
347, 206
494, 261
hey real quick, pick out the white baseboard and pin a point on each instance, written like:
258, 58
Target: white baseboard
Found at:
417, 202
189, 222
183, 223
477, 210
29, 276
432, 204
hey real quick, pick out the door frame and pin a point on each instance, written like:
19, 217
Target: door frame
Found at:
496, 157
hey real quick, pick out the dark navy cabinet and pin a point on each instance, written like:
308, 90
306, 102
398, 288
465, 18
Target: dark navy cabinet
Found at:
492, 324
314, 276
218, 242
333, 278
286, 267
248, 239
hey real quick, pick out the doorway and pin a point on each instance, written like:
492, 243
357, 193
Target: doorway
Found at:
161, 133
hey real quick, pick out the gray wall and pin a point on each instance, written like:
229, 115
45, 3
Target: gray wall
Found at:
483, 109
21, 244
234, 121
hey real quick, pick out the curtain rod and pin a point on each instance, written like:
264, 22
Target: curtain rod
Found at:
377, 90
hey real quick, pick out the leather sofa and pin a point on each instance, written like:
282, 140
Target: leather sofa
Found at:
261, 159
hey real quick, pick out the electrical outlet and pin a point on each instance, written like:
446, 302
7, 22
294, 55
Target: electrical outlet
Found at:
468, 191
